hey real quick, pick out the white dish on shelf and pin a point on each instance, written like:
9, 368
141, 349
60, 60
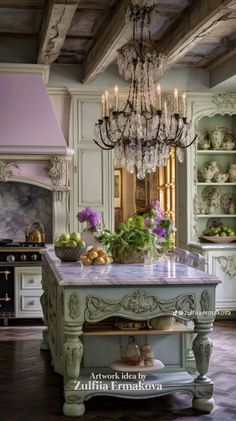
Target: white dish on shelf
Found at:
120, 366
226, 201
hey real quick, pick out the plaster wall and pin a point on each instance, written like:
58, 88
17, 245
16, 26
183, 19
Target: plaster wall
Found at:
191, 80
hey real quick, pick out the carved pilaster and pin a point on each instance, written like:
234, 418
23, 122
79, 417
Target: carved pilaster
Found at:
5, 171
195, 196
195, 219
205, 301
44, 303
73, 305
202, 348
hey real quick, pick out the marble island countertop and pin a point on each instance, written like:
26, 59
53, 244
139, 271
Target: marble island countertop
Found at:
163, 272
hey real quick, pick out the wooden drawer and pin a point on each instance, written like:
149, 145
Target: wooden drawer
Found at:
30, 303
28, 289
31, 281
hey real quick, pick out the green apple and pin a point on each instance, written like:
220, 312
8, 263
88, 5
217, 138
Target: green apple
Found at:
75, 236
81, 243
71, 243
223, 234
64, 237
60, 243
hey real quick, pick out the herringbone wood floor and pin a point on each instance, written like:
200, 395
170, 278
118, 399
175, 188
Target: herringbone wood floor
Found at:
31, 391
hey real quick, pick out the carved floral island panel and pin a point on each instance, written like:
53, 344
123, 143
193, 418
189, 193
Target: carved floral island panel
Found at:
22, 204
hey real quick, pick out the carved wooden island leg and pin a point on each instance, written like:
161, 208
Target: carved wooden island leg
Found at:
73, 352
44, 303
202, 348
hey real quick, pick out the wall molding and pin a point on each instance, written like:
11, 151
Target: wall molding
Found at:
37, 69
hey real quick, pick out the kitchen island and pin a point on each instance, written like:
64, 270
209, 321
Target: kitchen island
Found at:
80, 304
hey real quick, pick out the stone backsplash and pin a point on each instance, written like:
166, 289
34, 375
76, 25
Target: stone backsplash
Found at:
22, 204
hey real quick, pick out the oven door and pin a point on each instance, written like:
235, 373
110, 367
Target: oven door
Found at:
7, 307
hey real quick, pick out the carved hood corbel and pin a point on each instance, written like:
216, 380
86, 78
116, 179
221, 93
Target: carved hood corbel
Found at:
5, 171
56, 169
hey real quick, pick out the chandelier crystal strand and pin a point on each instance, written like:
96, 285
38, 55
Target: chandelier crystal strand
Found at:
143, 132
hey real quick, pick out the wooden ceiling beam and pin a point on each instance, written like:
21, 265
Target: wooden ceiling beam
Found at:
28, 35
54, 29
192, 26
231, 51
103, 52
168, 9
21, 4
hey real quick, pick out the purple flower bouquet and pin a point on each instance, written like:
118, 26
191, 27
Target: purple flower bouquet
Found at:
92, 217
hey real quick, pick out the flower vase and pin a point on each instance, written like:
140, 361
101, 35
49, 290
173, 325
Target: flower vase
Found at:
89, 237
148, 259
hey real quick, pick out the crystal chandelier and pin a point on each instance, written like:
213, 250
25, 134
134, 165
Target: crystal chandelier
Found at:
143, 132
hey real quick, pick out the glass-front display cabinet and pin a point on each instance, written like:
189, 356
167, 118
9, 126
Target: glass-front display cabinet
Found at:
211, 190
216, 179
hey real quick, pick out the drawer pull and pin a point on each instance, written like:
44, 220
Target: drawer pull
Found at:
31, 281
6, 298
31, 303
6, 273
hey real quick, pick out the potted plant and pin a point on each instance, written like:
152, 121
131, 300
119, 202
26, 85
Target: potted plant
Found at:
149, 233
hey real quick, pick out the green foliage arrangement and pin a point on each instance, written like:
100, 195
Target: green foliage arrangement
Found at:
150, 231
130, 239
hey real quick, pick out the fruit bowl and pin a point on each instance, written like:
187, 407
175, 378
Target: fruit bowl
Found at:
218, 239
69, 254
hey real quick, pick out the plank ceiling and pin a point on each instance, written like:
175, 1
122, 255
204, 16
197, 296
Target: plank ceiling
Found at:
192, 33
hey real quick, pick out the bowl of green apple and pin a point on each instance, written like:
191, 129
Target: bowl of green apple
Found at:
219, 234
69, 247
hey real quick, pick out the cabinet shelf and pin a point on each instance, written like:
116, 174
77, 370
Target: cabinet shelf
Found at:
176, 328
223, 215
201, 183
216, 152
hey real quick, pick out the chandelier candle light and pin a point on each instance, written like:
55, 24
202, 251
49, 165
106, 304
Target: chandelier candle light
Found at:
144, 130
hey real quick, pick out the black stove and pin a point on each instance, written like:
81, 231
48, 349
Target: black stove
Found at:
19, 252
13, 254
21, 244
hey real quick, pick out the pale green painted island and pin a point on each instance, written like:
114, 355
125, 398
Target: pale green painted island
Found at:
80, 304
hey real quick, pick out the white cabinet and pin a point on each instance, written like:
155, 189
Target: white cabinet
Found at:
28, 290
211, 201
221, 262
223, 265
93, 173
216, 183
